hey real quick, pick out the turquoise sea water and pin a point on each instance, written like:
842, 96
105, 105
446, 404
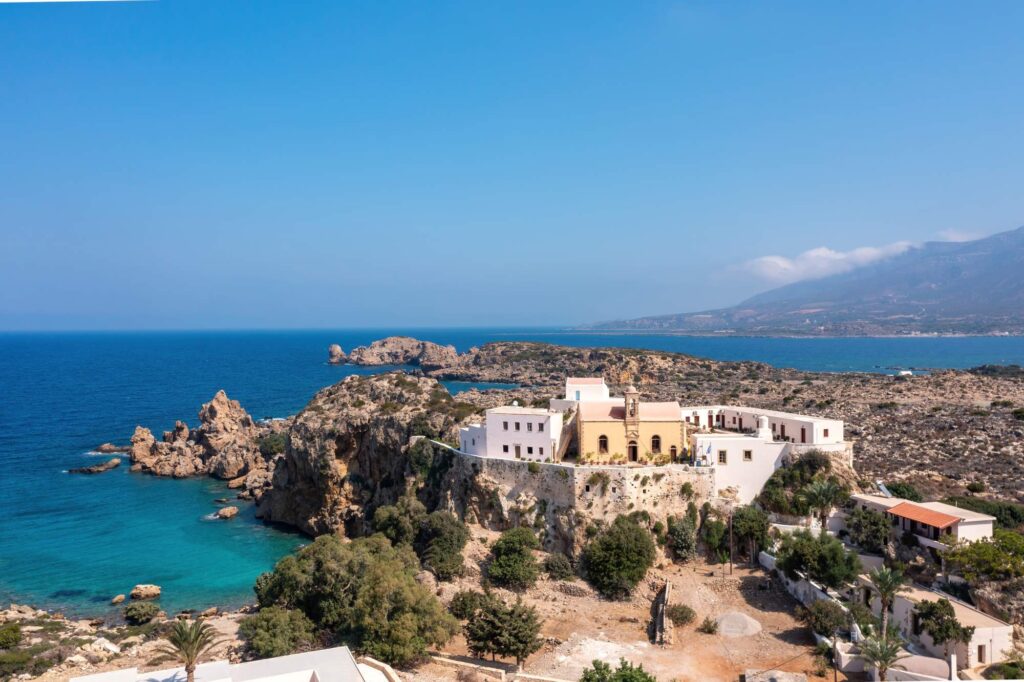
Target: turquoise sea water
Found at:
72, 542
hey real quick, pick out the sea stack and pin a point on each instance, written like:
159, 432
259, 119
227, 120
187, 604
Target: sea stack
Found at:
335, 355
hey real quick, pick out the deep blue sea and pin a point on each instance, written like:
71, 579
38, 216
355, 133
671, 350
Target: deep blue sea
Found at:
72, 542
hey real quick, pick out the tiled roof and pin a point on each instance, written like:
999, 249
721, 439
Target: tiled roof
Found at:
605, 410
915, 512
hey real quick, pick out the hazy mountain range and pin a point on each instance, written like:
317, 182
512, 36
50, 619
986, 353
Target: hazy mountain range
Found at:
974, 287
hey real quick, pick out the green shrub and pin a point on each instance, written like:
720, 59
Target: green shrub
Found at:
905, 490
10, 635
440, 542
502, 630
466, 603
558, 567
618, 558
273, 444
820, 557
869, 529
780, 491
364, 592
400, 523
976, 487
998, 559
680, 614
140, 612
824, 617
1008, 514
708, 626
626, 672
275, 631
681, 538
513, 564
750, 530
533, 467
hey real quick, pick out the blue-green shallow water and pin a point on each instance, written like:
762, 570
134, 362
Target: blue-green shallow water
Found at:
72, 542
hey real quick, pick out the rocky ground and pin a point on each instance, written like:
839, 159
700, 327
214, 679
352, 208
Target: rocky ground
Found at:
63, 648
580, 626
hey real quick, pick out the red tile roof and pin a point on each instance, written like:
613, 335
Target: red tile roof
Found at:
930, 517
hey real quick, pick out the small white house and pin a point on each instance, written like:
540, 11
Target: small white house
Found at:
326, 665
514, 432
992, 637
583, 389
936, 524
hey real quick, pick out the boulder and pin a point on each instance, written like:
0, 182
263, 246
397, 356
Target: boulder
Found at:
227, 512
335, 355
97, 468
118, 599
145, 592
110, 448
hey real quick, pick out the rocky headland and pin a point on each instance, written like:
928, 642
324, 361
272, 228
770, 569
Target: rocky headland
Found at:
348, 451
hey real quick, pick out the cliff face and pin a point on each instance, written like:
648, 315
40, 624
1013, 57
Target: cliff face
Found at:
226, 444
348, 451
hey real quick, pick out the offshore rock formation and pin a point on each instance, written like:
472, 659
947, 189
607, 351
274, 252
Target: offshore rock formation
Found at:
335, 355
349, 450
226, 444
97, 468
403, 350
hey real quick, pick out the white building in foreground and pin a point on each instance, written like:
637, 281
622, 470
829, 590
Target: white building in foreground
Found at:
991, 639
527, 433
326, 665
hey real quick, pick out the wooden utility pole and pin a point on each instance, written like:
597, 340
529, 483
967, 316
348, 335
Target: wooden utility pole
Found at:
730, 543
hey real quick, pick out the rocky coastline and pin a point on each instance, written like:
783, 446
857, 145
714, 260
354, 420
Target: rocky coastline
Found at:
348, 450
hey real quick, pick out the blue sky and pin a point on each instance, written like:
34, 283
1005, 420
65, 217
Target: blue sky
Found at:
216, 164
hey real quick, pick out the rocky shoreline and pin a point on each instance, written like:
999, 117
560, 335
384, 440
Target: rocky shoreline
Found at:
63, 647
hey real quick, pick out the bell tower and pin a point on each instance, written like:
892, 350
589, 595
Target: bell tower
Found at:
632, 416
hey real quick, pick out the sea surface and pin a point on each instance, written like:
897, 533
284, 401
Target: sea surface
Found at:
71, 542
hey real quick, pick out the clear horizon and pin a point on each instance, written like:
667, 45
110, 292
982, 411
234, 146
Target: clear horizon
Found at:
199, 165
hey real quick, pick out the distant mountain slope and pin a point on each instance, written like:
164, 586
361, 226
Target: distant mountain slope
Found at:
940, 287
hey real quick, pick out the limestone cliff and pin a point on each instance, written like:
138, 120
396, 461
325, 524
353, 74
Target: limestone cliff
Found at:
225, 445
349, 450
404, 350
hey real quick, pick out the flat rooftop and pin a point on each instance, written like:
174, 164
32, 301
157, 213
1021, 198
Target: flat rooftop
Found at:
941, 508
325, 665
517, 409
757, 411
967, 615
585, 381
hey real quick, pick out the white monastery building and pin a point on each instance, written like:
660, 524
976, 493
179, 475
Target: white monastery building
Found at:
529, 433
741, 445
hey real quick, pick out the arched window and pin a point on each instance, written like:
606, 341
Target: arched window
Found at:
656, 445
672, 451
632, 451
602, 445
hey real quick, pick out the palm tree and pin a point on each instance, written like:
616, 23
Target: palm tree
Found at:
887, 583
883, 653
189, 641
821, 496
